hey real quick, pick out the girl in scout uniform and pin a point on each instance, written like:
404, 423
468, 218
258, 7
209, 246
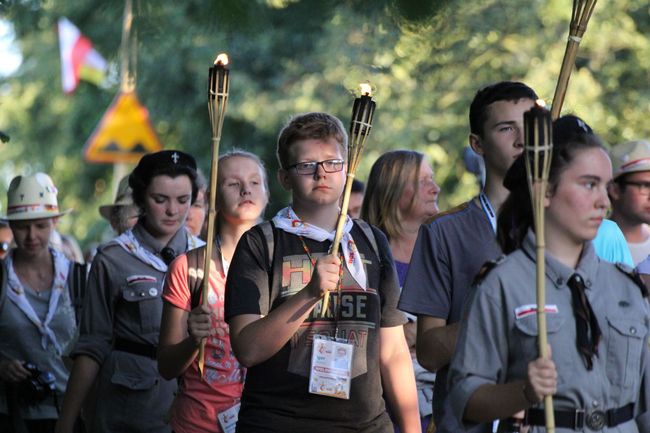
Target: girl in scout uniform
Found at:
37, 320
121, 317
203, 403
596, 312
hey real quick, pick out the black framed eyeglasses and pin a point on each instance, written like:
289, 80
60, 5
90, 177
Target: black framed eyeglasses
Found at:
311, 167
642, 187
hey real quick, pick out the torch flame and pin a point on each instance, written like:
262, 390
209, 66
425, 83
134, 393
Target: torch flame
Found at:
365, 89
540, 103
221, 59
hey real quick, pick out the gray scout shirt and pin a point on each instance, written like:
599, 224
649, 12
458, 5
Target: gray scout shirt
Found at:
447, 255
498, 338
123, 302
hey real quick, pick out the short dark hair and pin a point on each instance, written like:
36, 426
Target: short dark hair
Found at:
172, 163
501, 91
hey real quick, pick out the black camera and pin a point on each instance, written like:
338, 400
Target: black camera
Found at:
37, 387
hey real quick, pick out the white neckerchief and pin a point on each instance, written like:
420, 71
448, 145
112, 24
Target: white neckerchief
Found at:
288, 221
489, 211
129, 242
16, 293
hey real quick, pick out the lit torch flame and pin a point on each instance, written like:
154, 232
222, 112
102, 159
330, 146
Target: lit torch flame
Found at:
365, 89
540, 103
222, 59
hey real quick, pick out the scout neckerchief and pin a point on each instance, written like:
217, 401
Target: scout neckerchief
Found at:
129, 242
489, 211
288, 221
16, 293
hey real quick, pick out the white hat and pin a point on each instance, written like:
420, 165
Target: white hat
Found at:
631, 157
32, 197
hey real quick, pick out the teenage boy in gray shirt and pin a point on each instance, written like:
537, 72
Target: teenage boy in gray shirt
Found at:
451, 249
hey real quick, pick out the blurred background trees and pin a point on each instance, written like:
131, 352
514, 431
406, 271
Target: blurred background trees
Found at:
425, 59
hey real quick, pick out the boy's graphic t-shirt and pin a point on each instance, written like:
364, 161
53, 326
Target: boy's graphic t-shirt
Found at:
276, 396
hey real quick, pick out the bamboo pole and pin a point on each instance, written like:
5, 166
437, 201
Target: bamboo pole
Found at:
363, 111
581, 13
537, 153
218, 87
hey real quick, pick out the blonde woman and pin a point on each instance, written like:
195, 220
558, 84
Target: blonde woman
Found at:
400, 196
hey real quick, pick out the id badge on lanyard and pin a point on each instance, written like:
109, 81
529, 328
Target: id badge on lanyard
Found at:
228, 418
331, 367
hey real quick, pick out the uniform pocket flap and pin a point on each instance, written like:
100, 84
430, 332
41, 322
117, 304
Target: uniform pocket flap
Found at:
528, 324
628, 327
140, 291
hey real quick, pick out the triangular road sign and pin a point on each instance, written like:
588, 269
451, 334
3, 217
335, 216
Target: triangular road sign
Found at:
124, 134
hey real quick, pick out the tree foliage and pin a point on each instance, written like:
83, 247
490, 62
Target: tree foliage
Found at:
425, 59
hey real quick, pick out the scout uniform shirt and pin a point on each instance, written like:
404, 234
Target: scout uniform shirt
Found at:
119, 329
499, 336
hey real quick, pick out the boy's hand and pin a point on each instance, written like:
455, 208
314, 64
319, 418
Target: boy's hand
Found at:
325, 276
12, 370
198, 324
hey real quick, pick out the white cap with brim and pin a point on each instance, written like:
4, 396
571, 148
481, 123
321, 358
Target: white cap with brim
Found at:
631, 157
32, 197
124, 197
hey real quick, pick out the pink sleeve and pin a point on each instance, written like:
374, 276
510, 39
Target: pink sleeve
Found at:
176, 291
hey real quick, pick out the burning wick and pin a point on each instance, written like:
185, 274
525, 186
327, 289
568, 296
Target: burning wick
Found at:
366, 90
222, 59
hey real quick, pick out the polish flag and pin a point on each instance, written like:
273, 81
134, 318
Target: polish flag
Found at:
79, 60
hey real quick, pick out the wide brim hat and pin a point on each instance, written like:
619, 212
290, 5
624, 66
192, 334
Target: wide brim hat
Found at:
32, 197
631, 157
123, 197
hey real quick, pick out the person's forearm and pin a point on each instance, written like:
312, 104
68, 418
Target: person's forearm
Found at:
490, 402
398, 379
263, 338
435, 346
82, 377
174, 359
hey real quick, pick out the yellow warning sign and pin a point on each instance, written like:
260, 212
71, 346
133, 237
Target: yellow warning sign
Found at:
124, 134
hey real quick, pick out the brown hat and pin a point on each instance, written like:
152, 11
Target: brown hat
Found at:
32, 197
631, 157
123, 197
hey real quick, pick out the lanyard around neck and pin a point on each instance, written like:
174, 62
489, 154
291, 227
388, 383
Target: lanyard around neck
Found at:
489, 211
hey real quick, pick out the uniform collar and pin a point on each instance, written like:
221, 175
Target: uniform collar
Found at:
560, 273
178, 243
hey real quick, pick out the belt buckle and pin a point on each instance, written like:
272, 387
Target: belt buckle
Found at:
596, 420
579, 419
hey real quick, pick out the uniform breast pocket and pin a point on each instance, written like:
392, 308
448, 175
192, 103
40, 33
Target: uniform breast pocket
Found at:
624, 348
525, 341
144, 304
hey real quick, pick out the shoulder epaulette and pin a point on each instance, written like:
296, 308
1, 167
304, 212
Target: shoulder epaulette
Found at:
485, 269
634, 276
453, 210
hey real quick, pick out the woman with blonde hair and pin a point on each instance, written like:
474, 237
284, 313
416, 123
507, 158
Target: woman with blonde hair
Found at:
401, 195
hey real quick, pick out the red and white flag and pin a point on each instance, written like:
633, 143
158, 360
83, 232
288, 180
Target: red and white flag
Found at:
79, 60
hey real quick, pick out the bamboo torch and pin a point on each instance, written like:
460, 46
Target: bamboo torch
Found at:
363, 110
218, 85
537, 153
582, 10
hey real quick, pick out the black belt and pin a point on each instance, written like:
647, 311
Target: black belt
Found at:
148, 350
576, 419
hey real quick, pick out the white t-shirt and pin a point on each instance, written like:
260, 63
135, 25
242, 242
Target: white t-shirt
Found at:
640, 251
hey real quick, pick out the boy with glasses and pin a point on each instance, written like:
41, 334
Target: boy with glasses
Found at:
630, 195
274, 299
